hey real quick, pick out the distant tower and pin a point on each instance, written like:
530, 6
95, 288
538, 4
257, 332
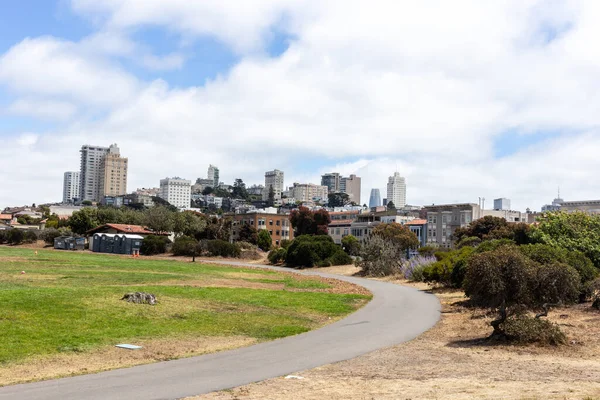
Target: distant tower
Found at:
213, 175
71, 187
396, 190
273, 179
375, 198
91, 174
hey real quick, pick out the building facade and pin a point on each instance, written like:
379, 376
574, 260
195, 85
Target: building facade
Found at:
273, 179
91, 173
213, 175
305, 192
396, 190
176, 191
114, 171
351, 186
587, 206
508, 215
332, 181
71, 187
443, 220
375, 198
278, 225
502, 204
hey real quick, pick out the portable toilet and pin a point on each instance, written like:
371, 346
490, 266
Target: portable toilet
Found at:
96, 240
119, 244
132, 243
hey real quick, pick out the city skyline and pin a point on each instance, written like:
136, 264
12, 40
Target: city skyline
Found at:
264, 89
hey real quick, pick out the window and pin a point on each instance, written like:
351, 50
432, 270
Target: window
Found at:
270, 222
271, 233
277, 233
337, 231
443, 219
277, 222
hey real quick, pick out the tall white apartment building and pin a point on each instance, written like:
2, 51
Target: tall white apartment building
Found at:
396, 190
71, 184
273, 179
176, 191
91, 173
308, 192
213, 175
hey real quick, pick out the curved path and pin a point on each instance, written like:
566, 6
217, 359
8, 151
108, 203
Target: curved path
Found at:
395, 315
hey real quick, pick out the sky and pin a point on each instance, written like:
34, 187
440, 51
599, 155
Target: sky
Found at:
465, 99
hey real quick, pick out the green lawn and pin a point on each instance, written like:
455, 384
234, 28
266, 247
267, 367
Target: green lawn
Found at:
70, 302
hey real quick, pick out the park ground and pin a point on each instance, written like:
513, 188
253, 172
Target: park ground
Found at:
451, 362
61, 312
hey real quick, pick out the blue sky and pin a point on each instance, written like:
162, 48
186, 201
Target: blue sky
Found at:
307, 88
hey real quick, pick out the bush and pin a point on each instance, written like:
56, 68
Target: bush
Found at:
285, 243
307, 250
265, 242
413, 268
48, 235
246, 245
427, 251
472, 241
340, 258
30, 236
222, 248
450, 269
380, 257
491, 245
351, 245
14, 236
152, 245
524, 330
3, 236
185, 246
277, 256
556, 283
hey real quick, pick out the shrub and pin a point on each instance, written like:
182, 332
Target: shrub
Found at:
351, 245
285, 243
556, 283
246, 245
185, 246
277, 256
427, 251
3, 236
265, 242
222, 248
491, 245
48, 235
307, 250
413, 268
340, 258
472, 241
152, 245
380, 257
30, 236
400, 235
450, 269
14, 236
524, 330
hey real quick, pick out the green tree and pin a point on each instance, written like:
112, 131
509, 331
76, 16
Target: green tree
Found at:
83, 220
265, 242
271, 198
337, 199
399, 234
306, 222
573, 231
207, 190
159, 219
239, 190
86, 203
188, 223
391, 205
248, 234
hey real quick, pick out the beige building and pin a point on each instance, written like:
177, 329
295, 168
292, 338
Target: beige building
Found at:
308, 192
114, 170
273, 179
587, 206
351, 186
508, 215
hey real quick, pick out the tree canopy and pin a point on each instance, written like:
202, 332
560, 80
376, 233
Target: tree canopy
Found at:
306, 222
337, 199
399, 234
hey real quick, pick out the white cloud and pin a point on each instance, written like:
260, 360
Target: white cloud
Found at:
46, 110
420, 87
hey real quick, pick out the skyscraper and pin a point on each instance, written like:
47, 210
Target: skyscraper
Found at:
114, 170
176, 191
91, 172
273, 179
71, 184
332, 181
351, 186
213, 175
502, 204
375, 199
396, 190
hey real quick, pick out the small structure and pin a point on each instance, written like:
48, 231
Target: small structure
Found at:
116, 243
69, 243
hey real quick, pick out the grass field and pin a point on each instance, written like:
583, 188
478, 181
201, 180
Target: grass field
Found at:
69, 302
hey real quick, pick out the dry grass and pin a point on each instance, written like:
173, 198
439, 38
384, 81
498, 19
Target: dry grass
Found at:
449, 362
110, 357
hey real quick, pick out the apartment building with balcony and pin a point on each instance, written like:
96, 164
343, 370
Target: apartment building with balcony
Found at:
278, 225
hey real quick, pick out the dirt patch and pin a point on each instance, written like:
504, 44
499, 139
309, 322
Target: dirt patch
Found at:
111, 357
448, 362
225, 283
345, 270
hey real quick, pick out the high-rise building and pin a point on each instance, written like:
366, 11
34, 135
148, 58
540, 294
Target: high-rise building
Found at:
213, 175
396, 190
332, 181
176, 191
308, 192
91, 173
502, 204
114, 171
375, 198
351, 186
273, 179
71, 187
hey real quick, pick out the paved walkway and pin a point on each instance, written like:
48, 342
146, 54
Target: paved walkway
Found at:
395, 315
